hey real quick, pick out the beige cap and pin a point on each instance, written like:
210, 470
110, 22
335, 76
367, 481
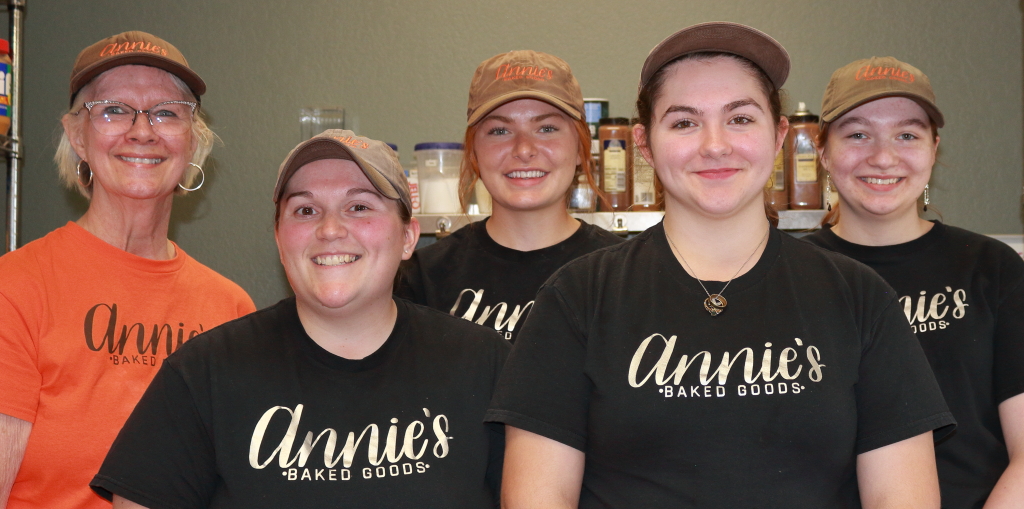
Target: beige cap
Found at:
523, 74
129, 48
725, 37
866, 80
378, 162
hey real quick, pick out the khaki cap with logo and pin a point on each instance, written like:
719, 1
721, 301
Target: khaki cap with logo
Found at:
872, 78
378, 162
523, 74
129, 48
724, 37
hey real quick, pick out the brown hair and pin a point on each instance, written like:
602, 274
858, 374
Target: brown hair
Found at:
469, 172
651, 92
831, 217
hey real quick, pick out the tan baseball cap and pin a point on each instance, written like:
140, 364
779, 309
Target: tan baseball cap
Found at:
129, 48
725, 37
378, 162
523, 74
866, 80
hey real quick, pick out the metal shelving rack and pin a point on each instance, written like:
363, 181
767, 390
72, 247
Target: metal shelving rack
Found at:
11, 145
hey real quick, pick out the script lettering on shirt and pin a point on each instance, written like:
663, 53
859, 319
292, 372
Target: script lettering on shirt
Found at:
102, 333
475, 297
934, 313
404, 452
775, 375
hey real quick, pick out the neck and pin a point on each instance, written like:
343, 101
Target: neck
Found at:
871, 230
351, 333
136, 226
716, 249
531, 230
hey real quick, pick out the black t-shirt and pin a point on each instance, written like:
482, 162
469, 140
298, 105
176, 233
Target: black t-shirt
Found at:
766, 405
963, 294
255, 414
468, 275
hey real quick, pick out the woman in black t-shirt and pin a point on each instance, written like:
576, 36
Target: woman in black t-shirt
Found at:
713, 361
962, 293
527, 140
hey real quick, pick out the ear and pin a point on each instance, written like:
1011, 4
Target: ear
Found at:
641, 143
73, 126
412, 236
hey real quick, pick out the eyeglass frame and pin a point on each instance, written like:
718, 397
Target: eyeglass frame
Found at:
135, 115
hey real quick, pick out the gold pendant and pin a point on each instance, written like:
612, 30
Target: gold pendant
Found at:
715, 304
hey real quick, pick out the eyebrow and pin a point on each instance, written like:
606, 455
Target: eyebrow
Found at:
863, 121
351, 192
538, 118
727, 108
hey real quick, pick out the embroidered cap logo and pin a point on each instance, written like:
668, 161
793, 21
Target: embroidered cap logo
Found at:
870, 72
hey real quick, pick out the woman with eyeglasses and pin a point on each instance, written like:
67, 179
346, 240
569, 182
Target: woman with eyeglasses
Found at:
90, 311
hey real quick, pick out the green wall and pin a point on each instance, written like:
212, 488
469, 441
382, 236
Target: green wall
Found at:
402, 69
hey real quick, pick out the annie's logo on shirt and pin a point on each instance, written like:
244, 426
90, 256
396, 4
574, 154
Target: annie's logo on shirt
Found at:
499, 311
778, 373
134, 343
928, 314
405, 457
508, 72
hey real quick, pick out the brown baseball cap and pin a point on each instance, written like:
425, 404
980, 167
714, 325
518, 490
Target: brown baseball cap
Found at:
866, 80
129, 48
378, 162
523, 74
725, 37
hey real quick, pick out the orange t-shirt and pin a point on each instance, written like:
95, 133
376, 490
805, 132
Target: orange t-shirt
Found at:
83, 328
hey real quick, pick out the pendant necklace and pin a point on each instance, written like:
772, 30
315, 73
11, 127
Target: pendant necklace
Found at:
715, 303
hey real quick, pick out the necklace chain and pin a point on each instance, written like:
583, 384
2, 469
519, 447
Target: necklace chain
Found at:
715, 303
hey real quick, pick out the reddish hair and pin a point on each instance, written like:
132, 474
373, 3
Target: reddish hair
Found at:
469, 172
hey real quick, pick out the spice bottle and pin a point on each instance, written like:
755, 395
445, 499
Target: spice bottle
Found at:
778, 196
645, 192
5, 87
614, 165
802, 160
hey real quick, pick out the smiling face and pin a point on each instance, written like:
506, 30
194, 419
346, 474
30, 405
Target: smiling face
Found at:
339, 239
880, 157
527, 151
139, 164
712, 138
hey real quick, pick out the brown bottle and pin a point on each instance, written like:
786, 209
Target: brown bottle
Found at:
614, 165
802, 160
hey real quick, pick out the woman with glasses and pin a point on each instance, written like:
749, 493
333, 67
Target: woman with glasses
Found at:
90, 311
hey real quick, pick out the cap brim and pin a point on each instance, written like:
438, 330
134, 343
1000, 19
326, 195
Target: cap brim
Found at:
489, 106
194, 82
317, 149
928, 108
724, 37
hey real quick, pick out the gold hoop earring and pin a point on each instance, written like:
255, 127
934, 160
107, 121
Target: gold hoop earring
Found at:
88, 170
201, 181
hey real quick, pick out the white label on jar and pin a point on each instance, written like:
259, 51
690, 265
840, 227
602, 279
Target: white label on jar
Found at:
414, 190
430, 162
807, 167
614, 166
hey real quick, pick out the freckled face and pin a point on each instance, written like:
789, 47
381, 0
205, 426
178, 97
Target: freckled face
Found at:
339, 239
141, 163
527, 151
712, 140
880, 157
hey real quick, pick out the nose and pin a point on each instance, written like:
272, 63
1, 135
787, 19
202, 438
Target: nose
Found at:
331, 227
142, 130
884, 156
714, 143
525, 147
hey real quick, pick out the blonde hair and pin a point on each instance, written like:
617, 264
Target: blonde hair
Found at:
68, 160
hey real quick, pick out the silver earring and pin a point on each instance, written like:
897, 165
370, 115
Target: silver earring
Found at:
828, 191
88, 170
202, 180
925, 209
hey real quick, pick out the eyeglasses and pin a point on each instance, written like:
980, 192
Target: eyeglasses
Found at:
114, 118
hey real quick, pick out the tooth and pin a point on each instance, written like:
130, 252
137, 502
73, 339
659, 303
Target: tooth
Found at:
333, 260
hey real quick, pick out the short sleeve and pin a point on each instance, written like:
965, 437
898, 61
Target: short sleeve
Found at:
544, 388
163, 458
1008, 340
897, 394
19, 364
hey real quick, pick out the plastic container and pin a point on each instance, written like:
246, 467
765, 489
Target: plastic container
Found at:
5, 87
438, 173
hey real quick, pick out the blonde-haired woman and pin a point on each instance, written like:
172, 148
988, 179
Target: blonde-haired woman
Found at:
92, 309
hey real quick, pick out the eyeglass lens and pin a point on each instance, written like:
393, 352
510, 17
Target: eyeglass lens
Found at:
116, 118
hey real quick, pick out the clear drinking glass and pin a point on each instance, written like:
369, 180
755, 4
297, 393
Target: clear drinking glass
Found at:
315, 120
